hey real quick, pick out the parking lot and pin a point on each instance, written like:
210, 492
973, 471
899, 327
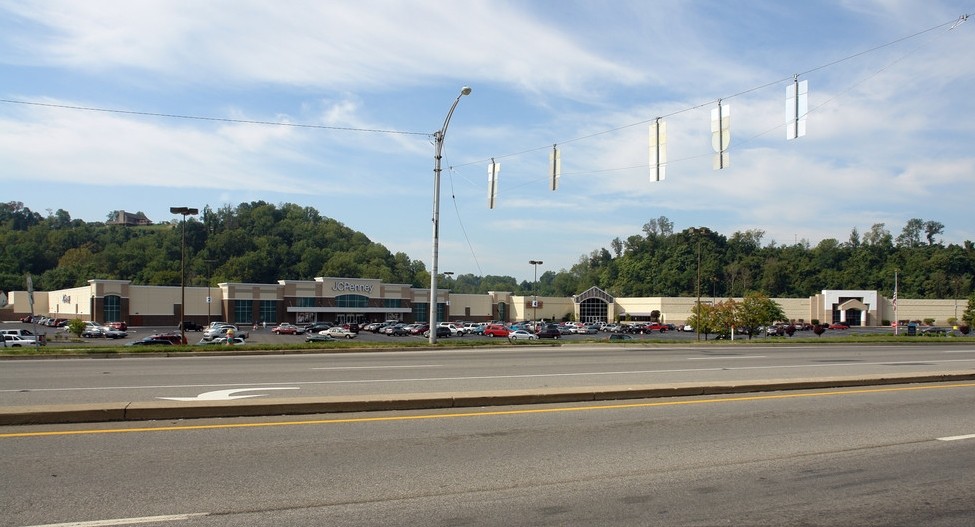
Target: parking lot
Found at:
264, 335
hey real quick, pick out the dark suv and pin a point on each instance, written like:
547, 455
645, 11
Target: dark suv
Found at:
549, 331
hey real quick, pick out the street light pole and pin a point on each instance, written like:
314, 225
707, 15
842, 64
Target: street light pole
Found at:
184, 211
438, 138
209, 296
699, 231
535, 263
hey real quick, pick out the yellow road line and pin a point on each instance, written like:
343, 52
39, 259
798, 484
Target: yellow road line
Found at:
488, 413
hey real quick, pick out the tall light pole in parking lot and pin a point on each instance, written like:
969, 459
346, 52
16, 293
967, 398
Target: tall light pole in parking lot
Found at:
699, 232
535, 263
438, 138
185, 211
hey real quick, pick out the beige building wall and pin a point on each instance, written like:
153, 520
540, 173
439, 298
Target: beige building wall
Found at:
548, 308
69, 303
20, 302
470, 308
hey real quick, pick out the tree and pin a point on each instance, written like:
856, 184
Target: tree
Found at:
757, 310
704, 319
968, 317
932, 229
911, 235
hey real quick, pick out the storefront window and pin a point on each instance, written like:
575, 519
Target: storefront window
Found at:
243, 311
113, 309
421, 311
269, 311
352, 301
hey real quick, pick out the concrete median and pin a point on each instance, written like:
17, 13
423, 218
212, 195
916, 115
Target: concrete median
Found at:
170, 410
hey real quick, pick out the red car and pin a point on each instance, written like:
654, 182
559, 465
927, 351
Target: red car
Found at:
496, 330
286, 329
655, 326
838, 325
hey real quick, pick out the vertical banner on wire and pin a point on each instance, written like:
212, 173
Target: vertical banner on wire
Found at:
555, 171
493, 170
721, 134
658, 150
796, 108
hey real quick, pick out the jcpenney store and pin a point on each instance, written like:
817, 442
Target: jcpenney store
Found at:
363, 300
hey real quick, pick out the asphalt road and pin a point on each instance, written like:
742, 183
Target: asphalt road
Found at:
895, 455
478, 370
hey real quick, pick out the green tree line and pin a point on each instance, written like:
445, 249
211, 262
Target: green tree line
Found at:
259, 242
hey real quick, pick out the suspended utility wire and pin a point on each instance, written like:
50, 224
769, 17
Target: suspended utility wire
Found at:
217, 119
953, 23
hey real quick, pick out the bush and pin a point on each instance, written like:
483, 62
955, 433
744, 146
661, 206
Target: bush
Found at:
885, 322
964, 328
819, 329
929, 321
76, 326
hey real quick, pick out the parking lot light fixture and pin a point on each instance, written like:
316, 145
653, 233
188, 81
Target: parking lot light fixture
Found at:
184, 211
535, 263
438, 138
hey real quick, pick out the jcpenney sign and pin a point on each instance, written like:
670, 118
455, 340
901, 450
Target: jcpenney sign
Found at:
351, 287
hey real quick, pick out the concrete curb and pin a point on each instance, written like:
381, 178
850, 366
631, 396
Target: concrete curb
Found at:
169, 410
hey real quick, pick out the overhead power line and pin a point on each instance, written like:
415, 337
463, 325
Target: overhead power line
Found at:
217, 119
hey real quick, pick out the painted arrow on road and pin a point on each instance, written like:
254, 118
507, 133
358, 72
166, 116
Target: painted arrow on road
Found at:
227, 395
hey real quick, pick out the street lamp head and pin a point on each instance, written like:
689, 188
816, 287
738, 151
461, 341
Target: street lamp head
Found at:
184, 211
466, 90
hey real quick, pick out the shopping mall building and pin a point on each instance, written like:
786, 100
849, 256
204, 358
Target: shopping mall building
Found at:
368, 300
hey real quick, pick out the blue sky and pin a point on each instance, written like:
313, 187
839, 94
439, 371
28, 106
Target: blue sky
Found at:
889, 137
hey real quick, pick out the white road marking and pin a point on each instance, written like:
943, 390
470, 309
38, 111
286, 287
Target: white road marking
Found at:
229, 395
719, 358
957, 438
340, 368
127, 521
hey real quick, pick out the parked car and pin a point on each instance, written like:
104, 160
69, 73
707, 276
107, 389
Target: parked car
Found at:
150, 341
620, 336
520, 334
189, 325
173, 338
496, 330
419, 329
121, 326
318, 337
397, 330
222, 331
16, 341
338, 332
286, 328
221, 341
316, 327
105, 332
442, 332
550, 331
838, 325
454, 330
18, 332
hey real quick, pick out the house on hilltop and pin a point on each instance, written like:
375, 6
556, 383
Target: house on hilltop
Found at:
129, 219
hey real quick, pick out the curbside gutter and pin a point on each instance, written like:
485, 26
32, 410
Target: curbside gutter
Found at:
169, 410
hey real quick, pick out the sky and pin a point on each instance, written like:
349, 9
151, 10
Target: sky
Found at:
142, 105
